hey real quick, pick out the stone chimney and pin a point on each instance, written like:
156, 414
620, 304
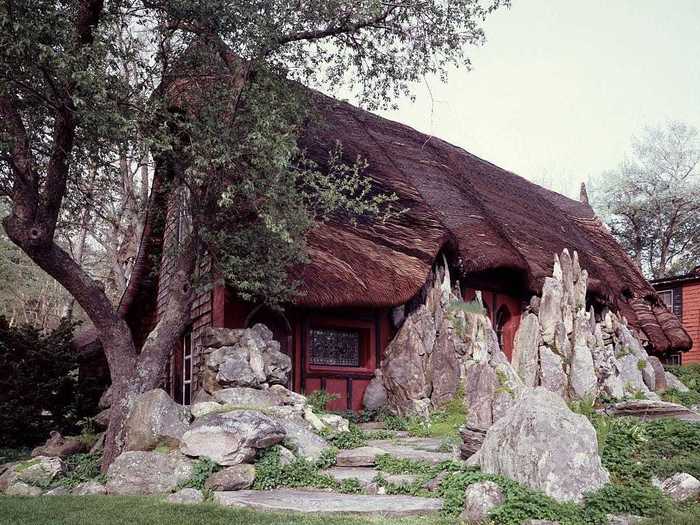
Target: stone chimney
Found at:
584, 194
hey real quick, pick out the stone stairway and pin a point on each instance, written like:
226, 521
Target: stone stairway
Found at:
358, 464
318, 502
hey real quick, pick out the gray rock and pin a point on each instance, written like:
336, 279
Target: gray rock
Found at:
188, 496
277, 365
231, 438
405, 367
335, 422
236, 370
212, 337
525, 347
444, 363
105, 399
540, 522
479, 500
552, 375
540, 443
550, 308
630, 374
141, 473
286, 455
647, 409
19, 488
681, 487
326, 503
60, 447
428, 450
675, 383
204, 408
252, 398
201, 396
40, 470
374, 397
8, 476
154, 420
237, 477
102, 419
89, 488
359, 457
480, 383
583, 380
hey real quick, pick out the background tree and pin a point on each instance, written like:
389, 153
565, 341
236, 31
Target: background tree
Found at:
652, 200
209, 94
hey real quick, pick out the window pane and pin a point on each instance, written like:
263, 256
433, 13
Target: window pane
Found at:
186, 394
667, 298
188, 370
335, 347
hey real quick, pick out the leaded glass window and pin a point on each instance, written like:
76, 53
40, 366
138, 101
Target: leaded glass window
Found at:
331, 347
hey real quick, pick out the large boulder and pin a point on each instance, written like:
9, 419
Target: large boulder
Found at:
544, 445
89, 488
301, 439
40, 470
525, 348
154, 420
237, 477
552, 375
252, 398
479, 500
19, 488
187, 496
138, 473
675, 383
230, 438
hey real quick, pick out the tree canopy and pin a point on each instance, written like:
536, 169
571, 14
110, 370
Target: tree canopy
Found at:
652, 200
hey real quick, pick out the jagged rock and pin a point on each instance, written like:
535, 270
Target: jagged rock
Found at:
60, 447
89, 488
404, 369
230, 438
374, 397
186, 496
139, 473
102, 419
40, 470
243, 358
660, 383
540, 443
525, 347
480, 384
212, 337
647, 409
680, 487
286, 455
19, 488
8, 475
359, 457
237, 477
562, 345
550, 308
201, 396
582, 377
444, 364
99, 445
479, 500
301, 439
202, 409
154, 420
552, 375
472, 439
675, 383
631, 375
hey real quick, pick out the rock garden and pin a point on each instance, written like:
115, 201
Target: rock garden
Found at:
580, 427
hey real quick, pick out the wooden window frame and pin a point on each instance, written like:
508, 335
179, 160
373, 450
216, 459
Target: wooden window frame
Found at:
367, 349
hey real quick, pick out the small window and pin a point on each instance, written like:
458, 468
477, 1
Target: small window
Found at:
333, 347
667, 297
673, 359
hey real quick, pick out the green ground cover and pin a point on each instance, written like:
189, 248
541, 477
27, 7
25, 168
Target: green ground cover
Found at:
106, 510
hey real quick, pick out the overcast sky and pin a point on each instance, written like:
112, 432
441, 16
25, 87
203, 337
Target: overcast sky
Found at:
560, 87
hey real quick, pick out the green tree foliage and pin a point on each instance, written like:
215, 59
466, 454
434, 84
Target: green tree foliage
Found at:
652, 200
38, 386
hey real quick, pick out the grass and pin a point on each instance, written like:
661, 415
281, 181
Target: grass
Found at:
108, 510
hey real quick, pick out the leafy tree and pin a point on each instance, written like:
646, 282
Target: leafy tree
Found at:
211, 89
652, 200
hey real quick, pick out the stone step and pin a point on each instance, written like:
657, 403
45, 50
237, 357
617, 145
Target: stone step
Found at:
366, 475
304, 501
417, 449
647, 410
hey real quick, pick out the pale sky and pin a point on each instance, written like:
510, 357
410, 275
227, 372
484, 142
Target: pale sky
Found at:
560, 86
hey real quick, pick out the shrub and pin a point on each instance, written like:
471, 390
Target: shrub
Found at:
81, 468
202, 470
353, 438
271, 474
319, 399
38, 386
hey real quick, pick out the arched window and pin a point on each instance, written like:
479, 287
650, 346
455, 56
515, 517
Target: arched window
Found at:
500, 322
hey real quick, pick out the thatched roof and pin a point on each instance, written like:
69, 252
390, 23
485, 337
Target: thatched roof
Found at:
486, 219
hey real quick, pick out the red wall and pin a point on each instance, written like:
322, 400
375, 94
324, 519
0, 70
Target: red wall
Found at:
691, 320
